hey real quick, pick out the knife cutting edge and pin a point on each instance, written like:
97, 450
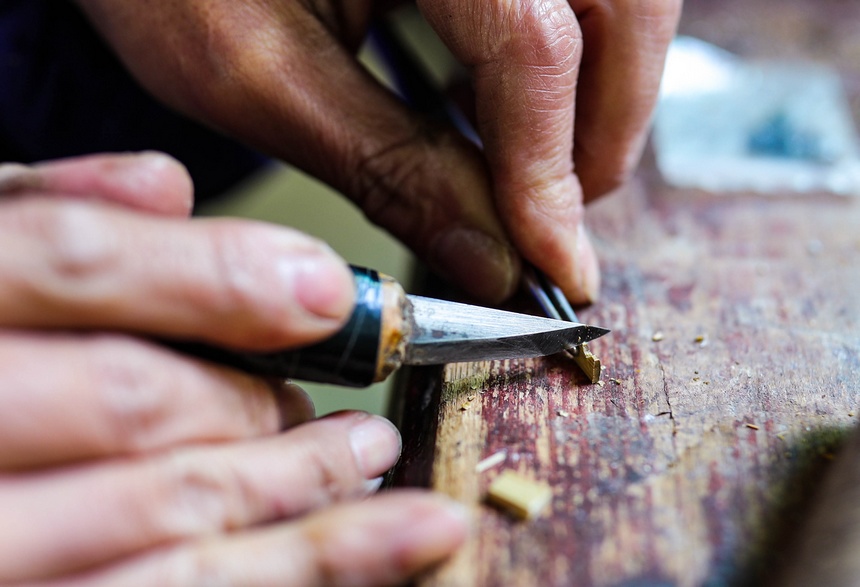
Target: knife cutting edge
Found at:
389, 328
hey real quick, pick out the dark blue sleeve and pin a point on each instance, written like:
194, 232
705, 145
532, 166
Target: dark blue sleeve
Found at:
63, 93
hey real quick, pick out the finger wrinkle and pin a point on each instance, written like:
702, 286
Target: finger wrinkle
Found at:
145, 393
553, 207
240, 281
543, 35
195, 495
133, 398
382, 184
332, 483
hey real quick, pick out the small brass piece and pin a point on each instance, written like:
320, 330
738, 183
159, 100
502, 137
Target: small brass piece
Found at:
589, 364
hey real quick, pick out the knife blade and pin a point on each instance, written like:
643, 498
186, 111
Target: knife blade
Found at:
389, 328
450, 332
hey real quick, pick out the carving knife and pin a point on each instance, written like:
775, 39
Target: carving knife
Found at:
389, 328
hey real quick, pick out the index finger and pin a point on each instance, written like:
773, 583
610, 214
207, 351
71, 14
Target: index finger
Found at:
525, 60
71, 264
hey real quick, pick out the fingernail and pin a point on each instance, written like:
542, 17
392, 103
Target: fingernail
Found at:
375, 445
589, 270
142, 168
148, 170
371, 486
483, 265
322, 284
294, 404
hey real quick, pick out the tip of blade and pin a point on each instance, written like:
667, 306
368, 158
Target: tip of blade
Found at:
593, 332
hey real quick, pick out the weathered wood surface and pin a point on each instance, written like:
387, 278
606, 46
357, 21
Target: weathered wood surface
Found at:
696, 459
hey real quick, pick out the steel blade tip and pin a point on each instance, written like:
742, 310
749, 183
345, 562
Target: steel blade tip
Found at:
593, 332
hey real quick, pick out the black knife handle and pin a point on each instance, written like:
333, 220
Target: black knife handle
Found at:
367, 349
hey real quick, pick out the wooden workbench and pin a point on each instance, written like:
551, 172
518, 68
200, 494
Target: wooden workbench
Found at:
696, 459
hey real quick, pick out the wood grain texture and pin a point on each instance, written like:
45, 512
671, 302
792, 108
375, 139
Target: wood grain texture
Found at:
696, 460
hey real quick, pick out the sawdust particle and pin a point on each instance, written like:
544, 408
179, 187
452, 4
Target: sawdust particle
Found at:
491, 461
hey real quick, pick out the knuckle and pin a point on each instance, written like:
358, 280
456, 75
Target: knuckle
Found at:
559, 28
333, 471
335, 482
243, 288
547, 35
383, 185
195, 495
77, 242
230, 252
132, 395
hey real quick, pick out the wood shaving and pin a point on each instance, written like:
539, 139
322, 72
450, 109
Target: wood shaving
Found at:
491, 461
519, 495
467, 404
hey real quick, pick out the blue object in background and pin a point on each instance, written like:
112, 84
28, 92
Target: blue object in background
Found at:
63, 93
778, 137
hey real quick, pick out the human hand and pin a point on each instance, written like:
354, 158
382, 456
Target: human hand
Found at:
124, 463
282, 76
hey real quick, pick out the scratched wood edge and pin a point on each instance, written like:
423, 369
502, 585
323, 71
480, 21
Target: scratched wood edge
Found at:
413, 408
413, 403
